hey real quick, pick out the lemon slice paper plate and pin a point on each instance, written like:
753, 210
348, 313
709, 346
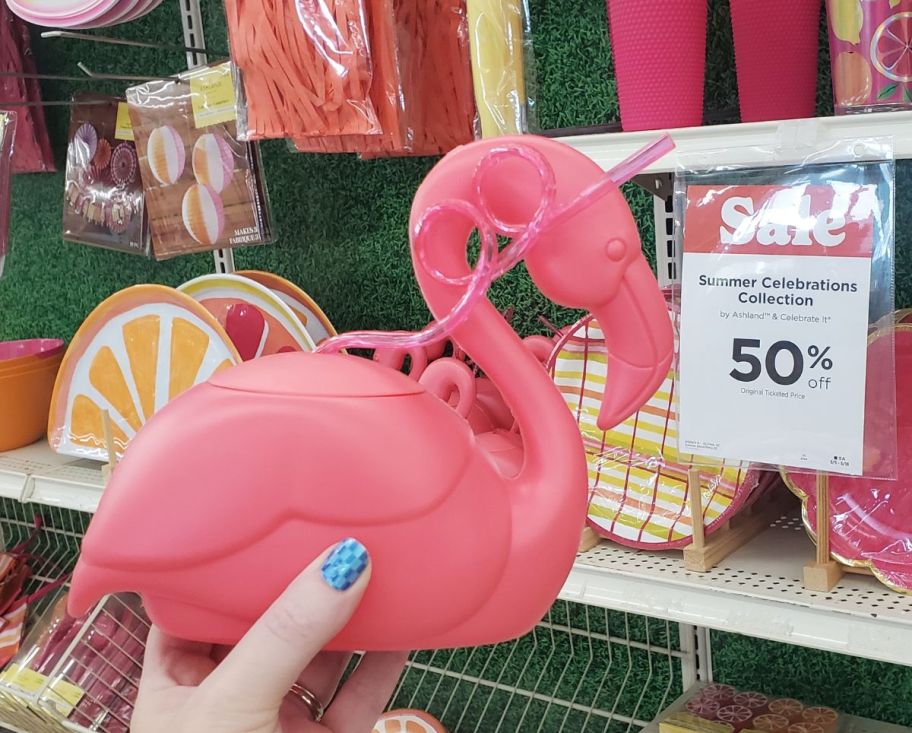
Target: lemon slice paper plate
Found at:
637, 480
256, 320
137, 350
305, 308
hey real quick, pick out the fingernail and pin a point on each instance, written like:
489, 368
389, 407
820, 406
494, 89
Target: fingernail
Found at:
345, 564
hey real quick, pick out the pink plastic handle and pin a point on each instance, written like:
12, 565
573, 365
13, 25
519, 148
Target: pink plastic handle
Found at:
446, 376
492, 264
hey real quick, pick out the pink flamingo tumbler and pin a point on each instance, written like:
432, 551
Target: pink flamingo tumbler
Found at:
231, 489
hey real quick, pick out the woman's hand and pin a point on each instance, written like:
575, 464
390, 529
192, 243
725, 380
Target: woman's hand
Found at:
188, 687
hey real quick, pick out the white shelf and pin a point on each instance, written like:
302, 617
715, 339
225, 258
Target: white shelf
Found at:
757, 591
39, 475
608, 149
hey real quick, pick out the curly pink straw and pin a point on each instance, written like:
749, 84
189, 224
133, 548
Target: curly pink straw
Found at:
492, 264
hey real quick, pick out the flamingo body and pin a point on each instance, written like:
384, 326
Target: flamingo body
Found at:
252, 519
237, 484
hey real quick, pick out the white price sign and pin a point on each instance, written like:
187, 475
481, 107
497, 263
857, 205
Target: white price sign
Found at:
774, 323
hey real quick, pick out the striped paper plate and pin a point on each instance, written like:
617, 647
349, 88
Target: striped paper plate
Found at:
637, 480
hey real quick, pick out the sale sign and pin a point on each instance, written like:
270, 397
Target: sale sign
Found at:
774, 322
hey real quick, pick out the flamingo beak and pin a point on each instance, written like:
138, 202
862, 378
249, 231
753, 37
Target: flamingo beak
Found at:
640, 342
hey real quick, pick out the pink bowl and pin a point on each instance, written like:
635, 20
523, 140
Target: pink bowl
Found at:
27, 352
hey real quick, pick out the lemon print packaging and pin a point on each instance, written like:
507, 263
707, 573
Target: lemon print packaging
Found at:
204, 188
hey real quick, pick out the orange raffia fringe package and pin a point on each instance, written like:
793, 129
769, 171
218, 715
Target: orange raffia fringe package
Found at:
305, 67
422, 82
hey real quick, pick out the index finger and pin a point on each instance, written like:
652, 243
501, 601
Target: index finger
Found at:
311, 611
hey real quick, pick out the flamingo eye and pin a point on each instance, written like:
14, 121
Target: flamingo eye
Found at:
616, 249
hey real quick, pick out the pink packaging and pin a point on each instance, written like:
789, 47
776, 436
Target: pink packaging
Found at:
871, 54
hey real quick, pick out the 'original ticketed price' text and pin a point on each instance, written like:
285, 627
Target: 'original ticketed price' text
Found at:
774, 323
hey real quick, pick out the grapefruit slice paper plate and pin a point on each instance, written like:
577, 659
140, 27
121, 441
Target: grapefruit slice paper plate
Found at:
305, 308
256, 320
137, 350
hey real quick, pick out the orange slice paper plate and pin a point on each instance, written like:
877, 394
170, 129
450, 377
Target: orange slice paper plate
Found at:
304, 307
637, 480
408, 721
137, 350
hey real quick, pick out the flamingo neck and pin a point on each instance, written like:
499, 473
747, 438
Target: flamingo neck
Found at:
551, 439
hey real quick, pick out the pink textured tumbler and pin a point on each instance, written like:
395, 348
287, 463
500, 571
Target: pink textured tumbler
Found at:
659, 51
776, 57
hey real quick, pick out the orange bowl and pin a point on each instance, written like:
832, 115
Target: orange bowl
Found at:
25, 399
31, 364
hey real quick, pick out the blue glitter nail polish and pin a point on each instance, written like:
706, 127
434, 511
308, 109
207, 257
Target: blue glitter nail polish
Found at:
345, 564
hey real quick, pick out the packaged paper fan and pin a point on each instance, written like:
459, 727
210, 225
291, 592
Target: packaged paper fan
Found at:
103, 195
203, 187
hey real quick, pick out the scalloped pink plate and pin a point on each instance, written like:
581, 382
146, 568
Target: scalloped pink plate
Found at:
56, 14
872, 518
141, 9
117, 13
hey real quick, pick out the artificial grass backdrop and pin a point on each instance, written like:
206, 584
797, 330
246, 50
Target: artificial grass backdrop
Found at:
341, 227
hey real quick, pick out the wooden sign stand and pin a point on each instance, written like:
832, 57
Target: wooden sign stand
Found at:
704, 553
823, 573
588, 539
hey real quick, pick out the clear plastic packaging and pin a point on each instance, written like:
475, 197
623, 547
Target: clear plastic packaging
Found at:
103, 195
439, 76
7, 133
305, 73
204, 188
421, 87
870, 519
20, 85
386, 94
720, 708
786, 269
85, 671
500, 41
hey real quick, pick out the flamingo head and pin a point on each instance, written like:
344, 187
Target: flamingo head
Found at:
592, 260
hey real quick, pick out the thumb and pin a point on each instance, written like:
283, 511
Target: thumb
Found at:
315, 607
